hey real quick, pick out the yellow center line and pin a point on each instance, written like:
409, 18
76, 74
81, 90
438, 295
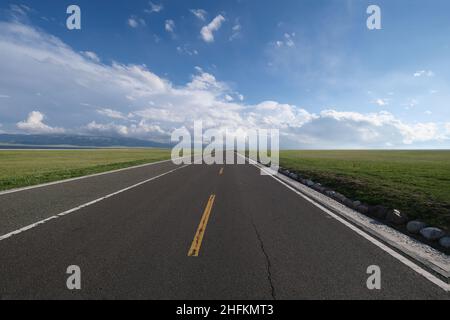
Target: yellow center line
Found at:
221, 172
197, 242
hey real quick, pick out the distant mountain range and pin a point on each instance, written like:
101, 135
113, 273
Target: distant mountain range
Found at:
25, 140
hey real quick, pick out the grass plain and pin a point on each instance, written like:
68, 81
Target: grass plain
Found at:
416, 182
20, 168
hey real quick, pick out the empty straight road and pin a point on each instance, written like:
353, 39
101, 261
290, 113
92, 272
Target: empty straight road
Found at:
192, 232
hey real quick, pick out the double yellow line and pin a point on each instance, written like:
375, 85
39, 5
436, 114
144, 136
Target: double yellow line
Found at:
198, 238
197, 242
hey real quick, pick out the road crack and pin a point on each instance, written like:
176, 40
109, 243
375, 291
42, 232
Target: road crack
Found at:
268, 264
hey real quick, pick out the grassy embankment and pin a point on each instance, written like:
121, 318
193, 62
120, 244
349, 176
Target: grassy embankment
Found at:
416, 182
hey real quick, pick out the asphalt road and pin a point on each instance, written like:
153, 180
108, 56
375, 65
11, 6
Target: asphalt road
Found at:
257, 240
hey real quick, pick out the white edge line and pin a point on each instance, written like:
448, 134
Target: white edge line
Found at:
31, 226
84, 177
365, 235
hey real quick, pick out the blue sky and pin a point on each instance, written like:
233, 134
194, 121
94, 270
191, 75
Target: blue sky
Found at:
309, 68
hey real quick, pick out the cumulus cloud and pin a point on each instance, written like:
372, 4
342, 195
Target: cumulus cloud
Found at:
169, 25
143, 128
132, 22
207, 31
354, 129
447, 129
135, 22
381, 102
207, 82
34, 124
199, 13
154, 8
272, 114
108, 128
136, 102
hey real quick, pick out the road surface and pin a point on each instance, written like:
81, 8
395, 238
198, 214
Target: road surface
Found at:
192, 232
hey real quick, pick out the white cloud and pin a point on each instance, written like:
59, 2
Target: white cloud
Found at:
109, 128
199, 13
207, 32
447, 128
91, 55
4, 96
381, 102
135, 22
19, 12
375, 129
144, 105
137, 129
288, 40
112, 113
282, 116
154, 8
424, 73
411, 104
34, 124
185, 49
236, 31
206, 81
169, 25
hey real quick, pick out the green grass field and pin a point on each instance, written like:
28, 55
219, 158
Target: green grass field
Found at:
20, 168
416, 182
